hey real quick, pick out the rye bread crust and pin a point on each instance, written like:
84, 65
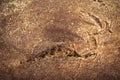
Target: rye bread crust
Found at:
59, 40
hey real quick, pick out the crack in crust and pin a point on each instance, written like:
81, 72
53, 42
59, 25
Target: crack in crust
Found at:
55, 50
59, 51
97, 20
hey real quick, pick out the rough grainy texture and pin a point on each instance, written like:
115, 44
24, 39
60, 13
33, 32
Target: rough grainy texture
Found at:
59, 39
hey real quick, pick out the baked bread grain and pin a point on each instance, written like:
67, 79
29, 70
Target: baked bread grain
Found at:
59, 40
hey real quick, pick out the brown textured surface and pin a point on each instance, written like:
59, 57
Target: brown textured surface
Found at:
59, 39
